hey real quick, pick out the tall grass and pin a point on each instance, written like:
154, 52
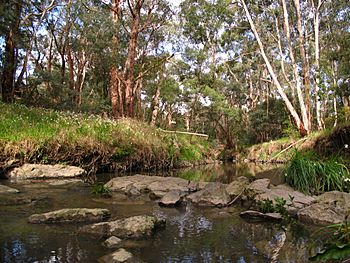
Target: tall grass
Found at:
310, 175
39, 135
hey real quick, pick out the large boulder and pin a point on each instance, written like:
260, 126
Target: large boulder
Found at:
41, 171
156, 185
131, 227
119, 256
330, 208
236, 187
7, 190
214, 194
71, 215
261, 189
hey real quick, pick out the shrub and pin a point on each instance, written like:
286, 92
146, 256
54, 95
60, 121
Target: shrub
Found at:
311, 176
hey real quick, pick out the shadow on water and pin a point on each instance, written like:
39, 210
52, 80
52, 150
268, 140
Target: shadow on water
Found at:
192, 234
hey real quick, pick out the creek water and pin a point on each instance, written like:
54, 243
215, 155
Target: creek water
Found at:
192, 234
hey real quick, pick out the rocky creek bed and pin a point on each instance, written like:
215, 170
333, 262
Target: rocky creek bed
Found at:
154, 219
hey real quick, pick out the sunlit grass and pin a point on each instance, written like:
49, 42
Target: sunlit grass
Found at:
53, 136
311, 175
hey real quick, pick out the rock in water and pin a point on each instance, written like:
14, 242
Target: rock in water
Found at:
7, 190
41, 171
112, 242
214, 194
330, 208
156, 185
71, 215
236, 187
256, 215
131, 227
173, 198
119, 256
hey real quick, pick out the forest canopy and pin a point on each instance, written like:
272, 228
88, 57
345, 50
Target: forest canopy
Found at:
240, 71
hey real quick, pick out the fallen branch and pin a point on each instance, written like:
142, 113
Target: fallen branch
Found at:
286, 149
236, 198
188, 133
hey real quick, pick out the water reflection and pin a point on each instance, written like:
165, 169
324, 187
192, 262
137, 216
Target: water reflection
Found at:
192, 234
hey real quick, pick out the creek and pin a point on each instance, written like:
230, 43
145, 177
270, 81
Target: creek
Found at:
192, 234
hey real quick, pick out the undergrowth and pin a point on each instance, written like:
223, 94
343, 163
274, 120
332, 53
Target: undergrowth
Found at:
311, 175
38, 135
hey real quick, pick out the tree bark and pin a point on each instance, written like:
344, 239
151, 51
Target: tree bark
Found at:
9, 62
302, 129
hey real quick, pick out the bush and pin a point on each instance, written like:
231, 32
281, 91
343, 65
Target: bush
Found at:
312, 176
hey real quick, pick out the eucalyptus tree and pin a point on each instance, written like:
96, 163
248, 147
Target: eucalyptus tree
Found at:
137, 27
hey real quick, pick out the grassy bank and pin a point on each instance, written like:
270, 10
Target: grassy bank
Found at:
36, 135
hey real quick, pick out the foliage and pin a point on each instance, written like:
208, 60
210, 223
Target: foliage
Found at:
276, 206
100, 189
338, 246
47, 136
308, 174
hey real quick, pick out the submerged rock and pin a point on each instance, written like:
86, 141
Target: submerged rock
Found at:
71, 215
41, 171
112, 242
214, 194
256, 215
330, 208
131, 227
172, 198
119, 256
156, 185
7, 190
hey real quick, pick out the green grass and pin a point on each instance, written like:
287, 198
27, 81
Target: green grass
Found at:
47, 136
309, 174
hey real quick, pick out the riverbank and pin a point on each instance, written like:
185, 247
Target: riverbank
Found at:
325, 144
35, 135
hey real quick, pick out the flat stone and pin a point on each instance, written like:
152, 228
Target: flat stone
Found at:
172, 198
330, 208
214, 194
236, 187
261, 189
256, 215
71, 215
112, 242
131, 227
156, 185
41, 171
119, 256
7, 190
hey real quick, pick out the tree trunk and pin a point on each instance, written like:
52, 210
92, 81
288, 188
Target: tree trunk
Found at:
129, 68
302, 129
9, 62
305, 62
316, 20
155, 104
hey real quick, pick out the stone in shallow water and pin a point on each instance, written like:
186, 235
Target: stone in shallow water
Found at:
112, 242
71, 215
214, 194
42, 171
236, 187
256, 215
173, 198
131, 227
330, 208
157, 186
121, 255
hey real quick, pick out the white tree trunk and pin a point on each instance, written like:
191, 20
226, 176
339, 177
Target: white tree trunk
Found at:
302, 129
